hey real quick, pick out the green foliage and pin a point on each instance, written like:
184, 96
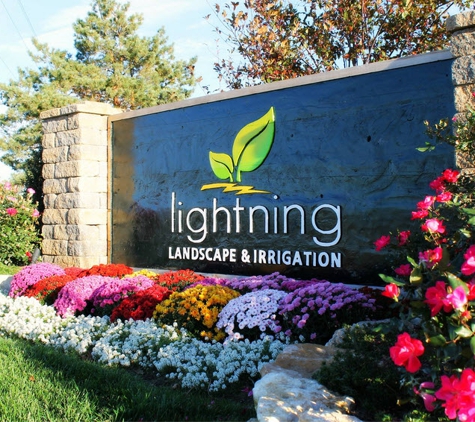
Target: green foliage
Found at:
112, 64
18, 221
282, 39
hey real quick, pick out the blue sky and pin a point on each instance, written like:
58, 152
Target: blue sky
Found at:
50, 21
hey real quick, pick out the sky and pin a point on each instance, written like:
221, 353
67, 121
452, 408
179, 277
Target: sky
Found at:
50, 21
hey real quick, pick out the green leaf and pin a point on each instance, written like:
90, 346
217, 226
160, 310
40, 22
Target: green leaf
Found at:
455, 282
428, 147
389, 279
469, 211
472, 344
438, 340
463, 332
416, 276
253, 143
471, 221
222, 165
411, 261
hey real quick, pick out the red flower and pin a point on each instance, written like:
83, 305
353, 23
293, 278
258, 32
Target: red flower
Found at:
382, 242
403, 270
391, 290
450, 176
468, 267
431, 256
459, 395
12, 211
444, 197
426, 203
436, 298
438, 184
432, 225
405, 352
402, 237
416, 215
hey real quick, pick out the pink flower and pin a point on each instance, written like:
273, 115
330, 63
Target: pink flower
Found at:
444, 197
405, 352
432, 225
402, 237
426, 203
436, 298
431, 256
403, 270
35, 213
428, 399
468, 267
391, 290
458, 298
382, 242
31, 191
458, 395
450, 176
7, 185
416, 215
12, 211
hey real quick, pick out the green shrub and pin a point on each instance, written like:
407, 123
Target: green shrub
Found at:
19, 234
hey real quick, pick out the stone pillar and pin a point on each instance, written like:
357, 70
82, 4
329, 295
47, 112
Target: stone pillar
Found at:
462, 46
75, 157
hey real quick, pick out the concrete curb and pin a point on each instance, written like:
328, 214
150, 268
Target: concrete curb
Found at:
5, 281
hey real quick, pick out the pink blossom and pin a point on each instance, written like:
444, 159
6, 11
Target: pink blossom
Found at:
468, 267
12, 211
402, 237
416, 215
406, 351
438, 184
428, 398
35, 213
382, 242
426, 203
31, 191
436, 298
7, 185
450, 176
458, 298
444, 197
431, 256
458, 395
433, 225
403, 270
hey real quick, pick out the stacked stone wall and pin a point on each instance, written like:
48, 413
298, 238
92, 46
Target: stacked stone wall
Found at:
75, 155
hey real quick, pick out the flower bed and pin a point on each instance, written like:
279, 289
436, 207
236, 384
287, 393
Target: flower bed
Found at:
207, 335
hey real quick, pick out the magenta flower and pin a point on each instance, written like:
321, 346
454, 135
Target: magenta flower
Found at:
391, 290
426, 203
403, 270
30, 191
468, 267
433, 225
436, 298
450, 176
444, 197
12, 211
458, 298
417, 215
35, 213
431, 257
438, 184
406, 351
382, 242
403, 237
30, 275
428, 398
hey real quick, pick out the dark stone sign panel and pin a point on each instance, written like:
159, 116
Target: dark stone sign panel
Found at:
300, 180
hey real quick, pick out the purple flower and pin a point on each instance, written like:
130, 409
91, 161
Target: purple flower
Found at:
30, 275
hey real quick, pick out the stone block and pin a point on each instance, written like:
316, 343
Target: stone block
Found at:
47, 231
88, 152
48, 171
460, 21
81, 136
87, 184
463, 70
87, 248
86, 120
463, 97
54, 247
87, 216
49, 140
52, 216
79, 232
55, 155
49, 200
55, 186
77, 169
81, 200
55, 124
462, 43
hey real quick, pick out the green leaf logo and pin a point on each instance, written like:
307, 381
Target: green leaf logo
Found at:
250, 149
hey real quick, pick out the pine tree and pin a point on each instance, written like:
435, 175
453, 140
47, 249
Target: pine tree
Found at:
112, 64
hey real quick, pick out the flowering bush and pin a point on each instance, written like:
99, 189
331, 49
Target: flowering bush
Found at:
178, 280
19, 234
74, 296
47, 289
251, 316
314, 311
107, 270
30, 275
107, 296
259, 282
196, 310
435, 292
140, 305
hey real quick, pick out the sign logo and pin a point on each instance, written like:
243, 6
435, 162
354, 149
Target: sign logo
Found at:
250, 149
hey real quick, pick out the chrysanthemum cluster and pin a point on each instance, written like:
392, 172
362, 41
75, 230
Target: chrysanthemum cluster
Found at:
31, 274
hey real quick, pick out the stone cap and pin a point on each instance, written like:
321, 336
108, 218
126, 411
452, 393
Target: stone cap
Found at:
89, 107
460, 21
